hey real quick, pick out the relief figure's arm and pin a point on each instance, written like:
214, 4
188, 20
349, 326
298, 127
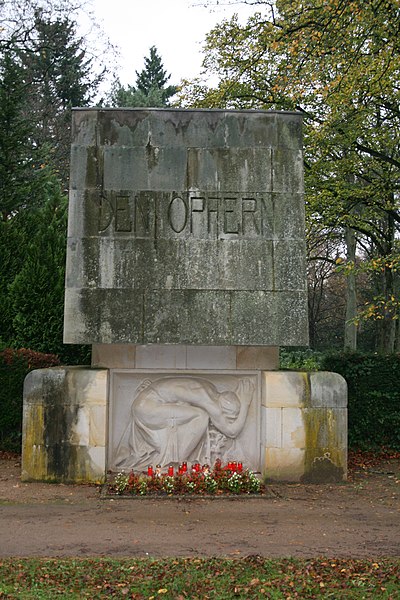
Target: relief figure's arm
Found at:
244, 393
231, 430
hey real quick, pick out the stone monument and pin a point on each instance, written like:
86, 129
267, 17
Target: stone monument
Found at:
185, 272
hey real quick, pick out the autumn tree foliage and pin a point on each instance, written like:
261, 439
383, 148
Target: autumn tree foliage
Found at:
338, 63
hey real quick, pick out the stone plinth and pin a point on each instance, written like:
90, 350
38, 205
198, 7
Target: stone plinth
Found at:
161, 356
286, 425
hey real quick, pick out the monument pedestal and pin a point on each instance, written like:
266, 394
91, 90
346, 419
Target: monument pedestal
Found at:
81, 422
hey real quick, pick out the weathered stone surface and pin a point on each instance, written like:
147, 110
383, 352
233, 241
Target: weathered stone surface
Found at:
305, 426
179, 356
64, 425
186, 227
257, 357
328, 389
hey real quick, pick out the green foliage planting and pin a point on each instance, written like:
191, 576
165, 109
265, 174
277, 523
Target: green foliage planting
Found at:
45, 69
374, 397
32, 274
14, 366
303, 359
250, 577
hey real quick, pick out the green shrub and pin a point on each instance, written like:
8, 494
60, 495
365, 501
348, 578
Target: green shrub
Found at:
374, 397
300, 359
14, 366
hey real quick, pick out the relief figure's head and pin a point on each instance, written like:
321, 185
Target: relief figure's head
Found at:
229, 404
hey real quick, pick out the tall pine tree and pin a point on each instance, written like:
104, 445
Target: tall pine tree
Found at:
60, 75
22, 164
150, 89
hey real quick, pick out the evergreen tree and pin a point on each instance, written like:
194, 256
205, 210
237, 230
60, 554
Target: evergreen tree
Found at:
150, 89
23, 169
154, 76
36, 294
59, 73
24, 179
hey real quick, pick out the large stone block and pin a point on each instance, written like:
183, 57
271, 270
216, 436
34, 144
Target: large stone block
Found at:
64, 425
305, 417
186, 227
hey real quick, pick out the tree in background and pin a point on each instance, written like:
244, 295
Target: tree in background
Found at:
24, 177
150, 90
44, 71
63, 69
337, 62
60, 76
23, 171
36, 293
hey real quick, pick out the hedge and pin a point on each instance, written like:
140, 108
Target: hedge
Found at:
14, 366
374, 397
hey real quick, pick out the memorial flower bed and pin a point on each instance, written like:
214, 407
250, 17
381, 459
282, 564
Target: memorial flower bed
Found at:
220, 480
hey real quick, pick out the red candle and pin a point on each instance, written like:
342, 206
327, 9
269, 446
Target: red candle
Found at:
240, 467
184, 467
150, 472
197, 466
171, 471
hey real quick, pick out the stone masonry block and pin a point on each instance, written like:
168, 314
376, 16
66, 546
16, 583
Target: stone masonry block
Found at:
273, 427
328, 390
284, 389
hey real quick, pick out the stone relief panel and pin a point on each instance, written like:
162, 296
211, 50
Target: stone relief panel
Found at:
168, 418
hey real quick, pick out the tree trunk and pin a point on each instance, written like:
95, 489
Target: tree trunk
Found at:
350, 327
387, 324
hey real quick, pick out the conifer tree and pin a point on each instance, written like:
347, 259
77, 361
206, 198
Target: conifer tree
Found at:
59, 74
150, 88
154, 76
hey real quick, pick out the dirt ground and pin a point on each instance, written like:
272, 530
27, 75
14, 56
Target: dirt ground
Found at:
360, 518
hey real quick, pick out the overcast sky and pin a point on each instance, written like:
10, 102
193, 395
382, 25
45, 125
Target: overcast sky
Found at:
176, 27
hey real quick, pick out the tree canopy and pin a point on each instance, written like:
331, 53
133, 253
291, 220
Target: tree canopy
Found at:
45, 69
337, 62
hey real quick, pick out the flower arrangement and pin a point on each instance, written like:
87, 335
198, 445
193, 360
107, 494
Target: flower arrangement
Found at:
228, 479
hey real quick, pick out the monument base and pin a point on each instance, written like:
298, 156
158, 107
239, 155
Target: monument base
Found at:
143, 404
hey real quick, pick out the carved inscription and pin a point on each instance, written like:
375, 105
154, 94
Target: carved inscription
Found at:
153, 215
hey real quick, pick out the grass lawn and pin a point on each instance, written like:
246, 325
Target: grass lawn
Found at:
178, 579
